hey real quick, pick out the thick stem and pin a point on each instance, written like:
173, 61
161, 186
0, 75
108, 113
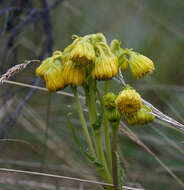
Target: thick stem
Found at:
83, 122
106, 131
114, 155
107, 141
97, 134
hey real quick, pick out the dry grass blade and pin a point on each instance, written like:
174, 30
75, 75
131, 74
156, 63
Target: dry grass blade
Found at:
21, 141
15, 69
132, 136
64, 177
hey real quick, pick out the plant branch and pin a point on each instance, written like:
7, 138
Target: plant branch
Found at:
83, 121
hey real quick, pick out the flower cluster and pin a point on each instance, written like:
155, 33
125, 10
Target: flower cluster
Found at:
84, 57
140, 65
91, 57
128, 104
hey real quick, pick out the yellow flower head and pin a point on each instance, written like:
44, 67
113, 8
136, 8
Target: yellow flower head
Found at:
140, 65
51, 71
128, 101
74, 74
83, 53
141, 117
120, 53
106, 64
66, 53
113, 115
108, 100
45, 65
54, 78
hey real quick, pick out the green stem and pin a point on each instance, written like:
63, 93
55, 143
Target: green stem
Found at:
115, 128
106, 131
97, 134
83, 122
107, 141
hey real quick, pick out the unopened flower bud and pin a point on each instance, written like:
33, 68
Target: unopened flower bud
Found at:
113, 115
141, 117
109, 100
128, 101
140, 65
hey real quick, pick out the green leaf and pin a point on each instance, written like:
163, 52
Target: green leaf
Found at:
97, 163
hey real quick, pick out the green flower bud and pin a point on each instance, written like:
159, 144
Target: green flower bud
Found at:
141, 117
113, 115
109, 100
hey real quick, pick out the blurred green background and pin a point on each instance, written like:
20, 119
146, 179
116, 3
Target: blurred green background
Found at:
34, 122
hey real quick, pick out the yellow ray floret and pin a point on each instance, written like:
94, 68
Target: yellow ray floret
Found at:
74, 74
83, 53
105, 67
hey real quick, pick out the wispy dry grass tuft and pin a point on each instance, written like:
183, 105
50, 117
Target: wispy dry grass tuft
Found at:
15, 69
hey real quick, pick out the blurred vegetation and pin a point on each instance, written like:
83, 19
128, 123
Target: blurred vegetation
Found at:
32, 29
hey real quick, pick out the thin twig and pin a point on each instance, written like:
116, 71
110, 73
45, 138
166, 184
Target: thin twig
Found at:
40, 88
64, 177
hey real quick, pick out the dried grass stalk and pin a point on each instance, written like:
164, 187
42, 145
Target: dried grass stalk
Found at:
15, 69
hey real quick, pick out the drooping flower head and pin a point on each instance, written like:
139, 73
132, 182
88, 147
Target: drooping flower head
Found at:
53, 77
45, 65
83, 52
140, 65
74, 74
143, 116
51, 71
128, 101
106, 63
69, 48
